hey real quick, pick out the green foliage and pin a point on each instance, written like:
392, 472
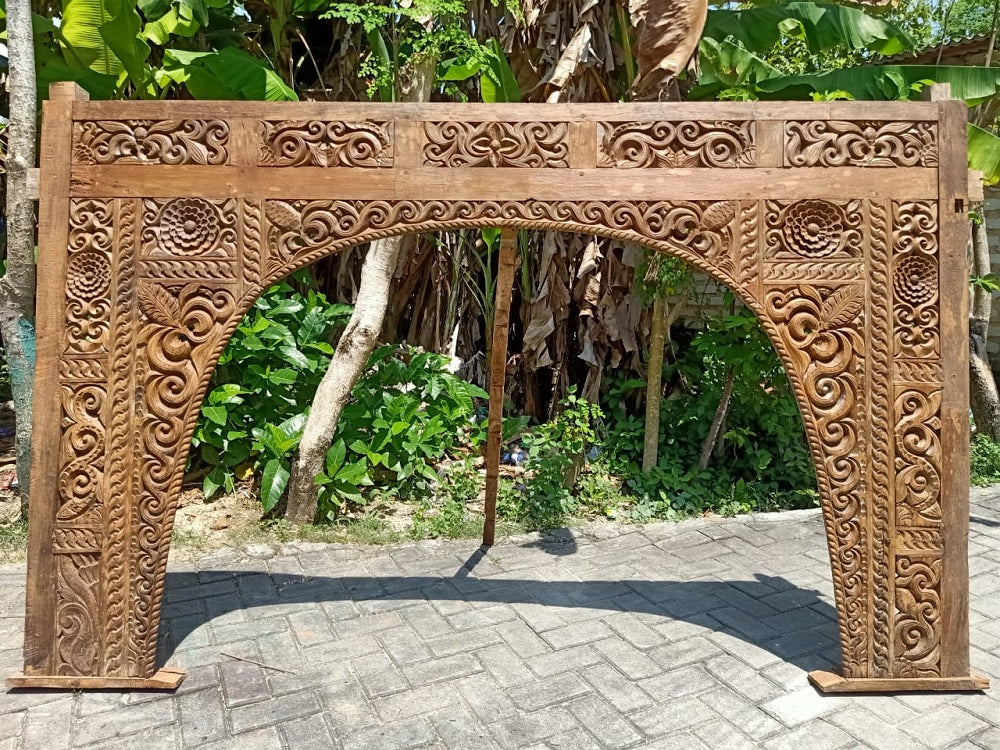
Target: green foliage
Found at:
765, 463
123, 49
985, 461
399, 33
252, 417
406, 413
445, 513
556, 453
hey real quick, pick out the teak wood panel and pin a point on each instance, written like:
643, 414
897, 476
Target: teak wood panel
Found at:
841, 225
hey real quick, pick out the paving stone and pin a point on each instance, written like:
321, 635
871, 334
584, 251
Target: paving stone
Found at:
672, 716
801, 705
548, 692
260, 738
587, 640
421, 700
816, 735
202, 718
521, 730
243, 683
943, 726
121, 721
504, 665
604, 722
875, 729
632, 662
396, 736
618, 690
743, 678
678, 683
255, 715
307, 733
483, 696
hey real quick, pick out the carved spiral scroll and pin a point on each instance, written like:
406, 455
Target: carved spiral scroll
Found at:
151, 142
639, 145
496, 144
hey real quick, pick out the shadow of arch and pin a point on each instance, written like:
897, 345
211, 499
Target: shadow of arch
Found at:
803, 633
705, 234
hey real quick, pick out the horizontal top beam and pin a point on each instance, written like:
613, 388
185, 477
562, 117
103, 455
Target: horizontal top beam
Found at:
615, 112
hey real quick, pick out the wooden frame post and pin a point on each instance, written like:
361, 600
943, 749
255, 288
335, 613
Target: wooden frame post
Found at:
840, 224
498, 370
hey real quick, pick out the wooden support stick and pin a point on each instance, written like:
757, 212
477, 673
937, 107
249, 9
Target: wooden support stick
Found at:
498, 368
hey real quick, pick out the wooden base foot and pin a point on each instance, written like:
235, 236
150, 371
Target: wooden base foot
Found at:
168, 678
830, 682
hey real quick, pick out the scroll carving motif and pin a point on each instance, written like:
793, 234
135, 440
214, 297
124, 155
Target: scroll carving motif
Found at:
180, 326
918, 627
702, 229
820, 328
496, 144
319, 143
151, 142
834, 143
640, 145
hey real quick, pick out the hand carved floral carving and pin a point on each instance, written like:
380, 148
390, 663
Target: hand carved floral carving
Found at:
832, 143
189, 227
814, 229
496, 144
915, 280
319, 143
639, 145
151, 142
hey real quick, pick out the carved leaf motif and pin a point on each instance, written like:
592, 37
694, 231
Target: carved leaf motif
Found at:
158, 305
841, 307
283, 215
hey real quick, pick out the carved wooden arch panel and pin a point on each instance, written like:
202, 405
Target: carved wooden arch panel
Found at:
838, 224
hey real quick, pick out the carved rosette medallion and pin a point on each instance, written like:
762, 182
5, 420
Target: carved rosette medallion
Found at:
151, 142
641, 145
496, 144
833, 143
189, 228
319, 143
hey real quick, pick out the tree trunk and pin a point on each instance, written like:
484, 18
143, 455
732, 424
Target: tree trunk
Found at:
720, 416
654, 375
984, 399
356, 343
17, 288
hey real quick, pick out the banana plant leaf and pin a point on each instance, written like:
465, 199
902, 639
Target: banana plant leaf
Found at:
821, 26
81, 40
973, 84
984, 154
227, 74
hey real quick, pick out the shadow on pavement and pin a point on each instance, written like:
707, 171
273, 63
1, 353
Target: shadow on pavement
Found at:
793, 623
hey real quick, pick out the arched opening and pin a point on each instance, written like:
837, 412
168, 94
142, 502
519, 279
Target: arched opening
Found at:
703, 234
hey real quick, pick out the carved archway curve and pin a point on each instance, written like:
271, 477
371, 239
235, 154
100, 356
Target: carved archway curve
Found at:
672, 249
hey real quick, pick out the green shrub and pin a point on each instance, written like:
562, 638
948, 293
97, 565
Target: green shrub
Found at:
985, 461
252, 417
765, 462
406, 413
556, 452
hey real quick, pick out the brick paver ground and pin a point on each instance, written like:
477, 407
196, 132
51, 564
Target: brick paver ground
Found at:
686, 636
